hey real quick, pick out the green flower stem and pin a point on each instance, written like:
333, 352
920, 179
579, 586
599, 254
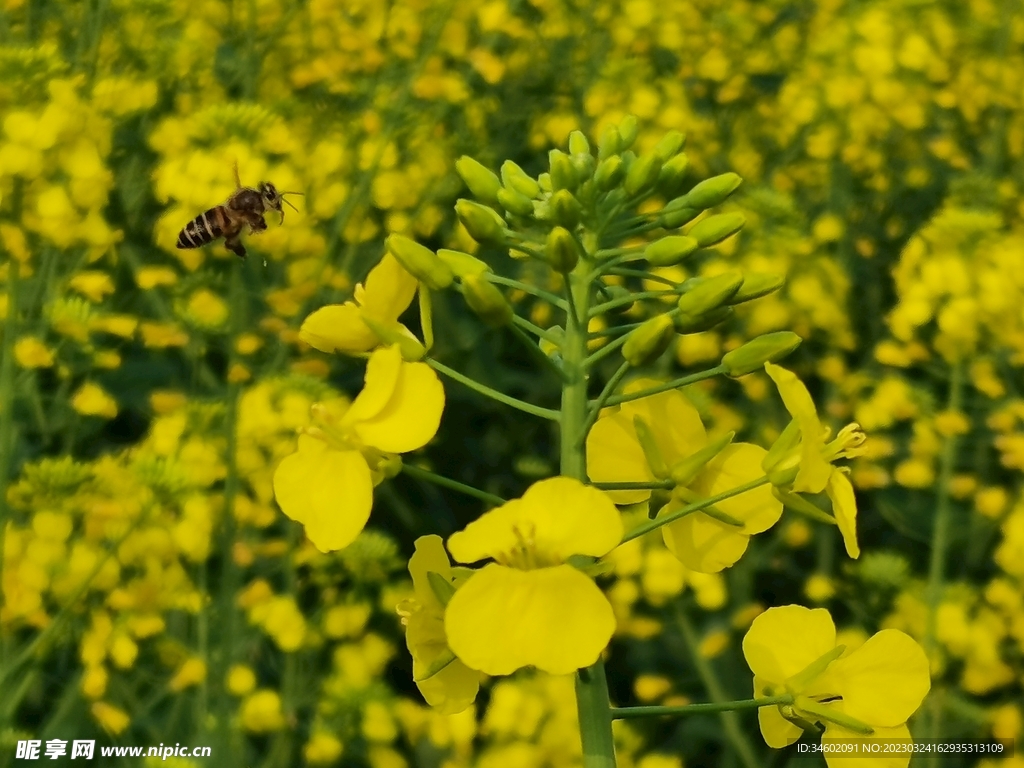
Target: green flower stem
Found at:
674, 384
425, 474
604, 351
483, 389
536, 352
730, 723
631, 713
595, 408
689, 509
592, 700
614, 330
536, 330
642, 274
600, 309
932, 715
533, 290
653, 485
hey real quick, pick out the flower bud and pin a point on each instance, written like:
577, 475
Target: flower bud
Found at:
670, 143
487, 301
561, 251
642, 174
578, 144
563, 173
393, 333
714, 229
390, 465
672, 175
627, 132
482, 223
516, 178
755, 285
669, 250
704, 322
676, 213
713, 191
708, 294
767, 348
420, 262
515, 202
684, 471
609, 173
610, 144
646, 343
566, 209
462, 264
482, 182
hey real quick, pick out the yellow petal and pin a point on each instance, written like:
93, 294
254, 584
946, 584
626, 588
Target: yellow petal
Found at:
776, 730
338, 328
555, 619
844, 507
429, 556
379, 382
672, 419
885, 680
783, 641
614, 455
410, 416
330, 492
451, 690
389, 290
737, 465
558, 517
814, 470
702, 543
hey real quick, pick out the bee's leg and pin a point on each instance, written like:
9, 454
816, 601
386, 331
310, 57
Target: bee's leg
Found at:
238, 179
234, 245
257, 224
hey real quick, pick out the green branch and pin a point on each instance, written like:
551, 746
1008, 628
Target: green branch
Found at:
595, 408
674, 384
483, 389
631, 713
445, 482
689, 509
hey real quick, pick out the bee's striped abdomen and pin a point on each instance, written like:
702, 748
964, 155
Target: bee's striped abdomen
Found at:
203, 229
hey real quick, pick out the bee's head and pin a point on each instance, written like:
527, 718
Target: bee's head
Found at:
272, 198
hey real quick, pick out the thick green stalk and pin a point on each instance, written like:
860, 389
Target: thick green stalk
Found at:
592, 703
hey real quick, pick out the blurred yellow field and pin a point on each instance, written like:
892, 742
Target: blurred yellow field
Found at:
633, 385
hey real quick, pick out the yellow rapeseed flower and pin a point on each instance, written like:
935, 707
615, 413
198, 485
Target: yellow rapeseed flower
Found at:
261, 712
530, 607
445, 682
92, 400
869, 692
346, 328
327, 485
31, 352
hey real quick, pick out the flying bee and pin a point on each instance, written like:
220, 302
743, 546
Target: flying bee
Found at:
245, 208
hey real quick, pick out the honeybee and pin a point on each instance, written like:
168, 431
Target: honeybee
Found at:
245, 208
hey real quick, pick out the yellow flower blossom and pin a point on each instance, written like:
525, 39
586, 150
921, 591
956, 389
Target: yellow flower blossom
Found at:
110, 718
241, 680
445, 682
31, 352
530, 607
869, 692
701, 542
192, 672
348, 328
92, 400
260, 712
327, 485
812, 458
